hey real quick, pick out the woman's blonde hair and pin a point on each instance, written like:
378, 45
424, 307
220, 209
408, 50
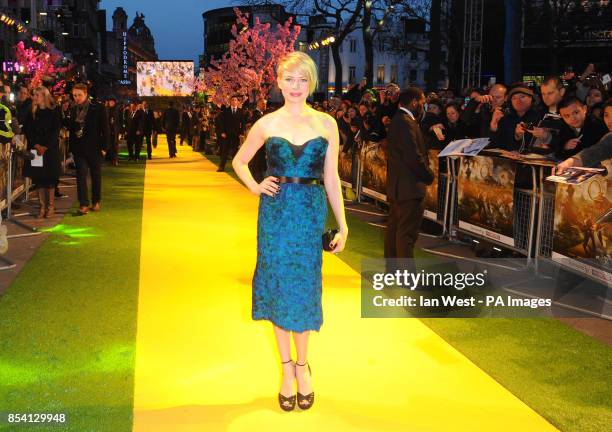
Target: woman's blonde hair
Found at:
48, 99
298, 61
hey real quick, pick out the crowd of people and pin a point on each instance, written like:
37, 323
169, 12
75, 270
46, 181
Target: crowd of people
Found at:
560, 117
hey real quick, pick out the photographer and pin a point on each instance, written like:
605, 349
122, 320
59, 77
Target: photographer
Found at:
579, 131
511, 129
478, 113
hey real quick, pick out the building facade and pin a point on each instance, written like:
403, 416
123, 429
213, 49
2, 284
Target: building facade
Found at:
125, 47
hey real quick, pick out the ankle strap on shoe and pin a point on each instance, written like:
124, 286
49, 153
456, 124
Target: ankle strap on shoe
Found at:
288, 361
297, 364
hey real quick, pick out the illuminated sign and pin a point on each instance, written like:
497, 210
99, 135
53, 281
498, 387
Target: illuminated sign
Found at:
9, 66
124, 60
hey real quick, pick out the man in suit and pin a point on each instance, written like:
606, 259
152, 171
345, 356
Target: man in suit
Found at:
113, 123
408, 175
230, 125
148, 128
258, 164
170, 124
186, 125
135, 130
88, 141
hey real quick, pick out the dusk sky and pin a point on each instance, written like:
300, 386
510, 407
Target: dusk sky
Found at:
177, 25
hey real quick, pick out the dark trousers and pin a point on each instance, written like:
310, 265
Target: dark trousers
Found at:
229, 147
134, 144
91, 164
147, 139
403, 227
171, 135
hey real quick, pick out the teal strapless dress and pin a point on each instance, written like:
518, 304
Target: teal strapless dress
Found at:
287, 279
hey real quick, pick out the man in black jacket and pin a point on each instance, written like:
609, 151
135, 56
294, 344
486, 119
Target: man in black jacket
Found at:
230, 125
135, 130
511, 130
88, 140
114, 125
408, 174
170, 124
148, 128
258, 164
578, 131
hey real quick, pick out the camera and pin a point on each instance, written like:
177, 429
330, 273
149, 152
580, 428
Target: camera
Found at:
528, 125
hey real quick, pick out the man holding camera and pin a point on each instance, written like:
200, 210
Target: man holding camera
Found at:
479, 110
89, 141
511, 129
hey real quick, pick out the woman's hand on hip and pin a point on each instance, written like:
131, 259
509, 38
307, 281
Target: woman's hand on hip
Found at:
268, 186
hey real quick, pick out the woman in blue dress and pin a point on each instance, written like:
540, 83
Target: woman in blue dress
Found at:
301, 146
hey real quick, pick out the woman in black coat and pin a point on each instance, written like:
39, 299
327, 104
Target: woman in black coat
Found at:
42, 128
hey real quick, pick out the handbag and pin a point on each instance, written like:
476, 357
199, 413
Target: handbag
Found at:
328, 237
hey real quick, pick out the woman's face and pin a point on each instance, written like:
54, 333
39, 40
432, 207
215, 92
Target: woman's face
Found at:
363, 110
452, 115
608, 117
38, 98
294, 85
594, 96
352, 112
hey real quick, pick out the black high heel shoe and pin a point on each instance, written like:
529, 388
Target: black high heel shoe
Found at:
287, 403
305, 401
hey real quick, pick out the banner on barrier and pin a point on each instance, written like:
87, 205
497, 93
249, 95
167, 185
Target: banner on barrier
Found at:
431, 193
374, 174
345, 166
18, 180
485, 187
582, 234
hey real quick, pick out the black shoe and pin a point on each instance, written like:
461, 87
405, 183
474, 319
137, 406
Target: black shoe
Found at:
149, 157
305, 401
220, 170
287, 403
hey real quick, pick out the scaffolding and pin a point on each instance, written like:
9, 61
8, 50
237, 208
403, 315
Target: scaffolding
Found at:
472, 43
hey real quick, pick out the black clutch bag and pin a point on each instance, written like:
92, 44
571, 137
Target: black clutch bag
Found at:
328, 237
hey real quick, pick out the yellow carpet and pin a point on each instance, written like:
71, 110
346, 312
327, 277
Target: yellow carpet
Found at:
202, 364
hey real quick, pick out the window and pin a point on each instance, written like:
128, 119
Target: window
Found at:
353, 47
351, 74
413, 75
302, 46
76, 30
380, 74
393, 77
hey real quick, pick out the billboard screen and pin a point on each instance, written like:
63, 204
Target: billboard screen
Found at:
165, 78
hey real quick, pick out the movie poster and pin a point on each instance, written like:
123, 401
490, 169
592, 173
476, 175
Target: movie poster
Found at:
582, 234
374, 174
344, 168
431, 193
485, 188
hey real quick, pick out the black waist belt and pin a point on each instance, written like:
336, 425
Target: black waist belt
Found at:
300, 180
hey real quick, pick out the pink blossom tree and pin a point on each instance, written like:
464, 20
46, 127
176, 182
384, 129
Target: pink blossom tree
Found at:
39, 64
250, 63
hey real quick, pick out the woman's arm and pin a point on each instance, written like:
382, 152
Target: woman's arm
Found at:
332, 184
253, 142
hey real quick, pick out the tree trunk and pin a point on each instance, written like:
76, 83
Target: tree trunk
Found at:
335, 49
512, 41
366, 32
435, 46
